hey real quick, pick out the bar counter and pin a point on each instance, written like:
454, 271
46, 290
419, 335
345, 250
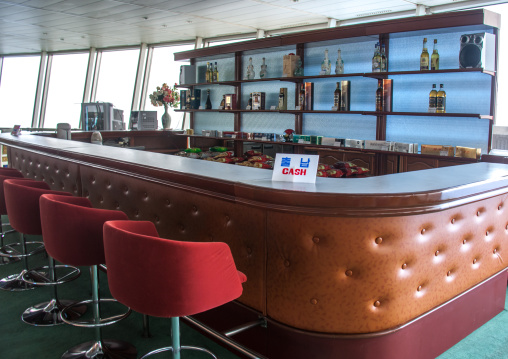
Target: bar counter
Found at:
401, 265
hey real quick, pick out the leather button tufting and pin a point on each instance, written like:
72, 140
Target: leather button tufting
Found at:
181, 227
494, 251
464, 241
117, 205
404, 266
449, 273
423, 230
437, 253
349, 272
478, 214
453, 220
315, 239
249, 250
499, 207
227, 218
486, 233
313, 301
286, 263
377, 303
157, 219
136, 212
379, 240
194, 209
168, 202
419, 288
474, 261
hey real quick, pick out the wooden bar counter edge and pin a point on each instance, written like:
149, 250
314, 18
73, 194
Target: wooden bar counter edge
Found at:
401, 265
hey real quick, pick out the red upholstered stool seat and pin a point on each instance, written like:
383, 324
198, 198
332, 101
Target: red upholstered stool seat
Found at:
175, 279
7, 252
72, 232
22, 203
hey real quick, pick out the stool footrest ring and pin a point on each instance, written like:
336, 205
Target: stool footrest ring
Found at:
15, 283
9, 251
40, 276
103, 349
183, 347
92, 323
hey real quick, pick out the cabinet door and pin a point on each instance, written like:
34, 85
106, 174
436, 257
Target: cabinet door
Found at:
361, 159
413, 163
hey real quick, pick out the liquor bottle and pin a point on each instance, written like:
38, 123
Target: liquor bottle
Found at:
384, 60
339, 64
208, 73
222, 102
208, 104
433, 99
262, 73
301, 98
215, 73
379, 96
249, 104
336, 97
326, 65
250, 70
299, 68
424, 57
376, 60
434, 59
441, 100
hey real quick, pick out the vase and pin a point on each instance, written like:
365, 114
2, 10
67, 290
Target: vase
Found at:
166, 119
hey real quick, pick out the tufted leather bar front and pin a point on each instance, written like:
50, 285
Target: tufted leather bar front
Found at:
319, 262
364, 275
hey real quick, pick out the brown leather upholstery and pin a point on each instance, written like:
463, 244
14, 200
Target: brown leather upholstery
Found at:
59, 174
186, 216
361, 275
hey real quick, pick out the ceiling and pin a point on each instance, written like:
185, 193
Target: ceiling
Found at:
32, 26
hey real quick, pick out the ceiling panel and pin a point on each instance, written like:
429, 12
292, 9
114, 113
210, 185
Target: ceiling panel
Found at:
41, 24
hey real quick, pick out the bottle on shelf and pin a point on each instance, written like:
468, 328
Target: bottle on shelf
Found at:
222, 102
301, 98
384, 60
339, 64
262, 73
376, 59
379, 96
208, 104
326, 65
424, 57
433, 99
250, 70
337, 97
208, 73
434, 58
249, 104
299, 67
441, 100
215, 73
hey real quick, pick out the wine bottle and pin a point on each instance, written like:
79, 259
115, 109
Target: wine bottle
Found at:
301, 98
441, 100
424, 57
433, 99
250, 102
384, 60
222, 102
379, 96
215, 73
339, 64
208, 78
336, 97
434, 59
376, 60
208, 104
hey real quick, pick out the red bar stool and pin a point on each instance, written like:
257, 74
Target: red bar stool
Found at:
72, 232
175, 279
6, 251
22, 201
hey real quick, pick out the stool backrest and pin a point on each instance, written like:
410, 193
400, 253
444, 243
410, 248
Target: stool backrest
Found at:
72, 229
166, 278
22, 203
3, 177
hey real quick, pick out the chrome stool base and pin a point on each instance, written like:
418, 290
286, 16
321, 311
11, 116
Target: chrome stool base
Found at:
104, 349
8, 260
15, 283
48, 313
183, 347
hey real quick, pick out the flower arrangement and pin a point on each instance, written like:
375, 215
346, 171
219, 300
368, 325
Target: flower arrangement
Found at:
165, 96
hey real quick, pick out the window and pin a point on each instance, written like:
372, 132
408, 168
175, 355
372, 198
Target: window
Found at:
117, 76
17, 90
65, 92
165, 69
